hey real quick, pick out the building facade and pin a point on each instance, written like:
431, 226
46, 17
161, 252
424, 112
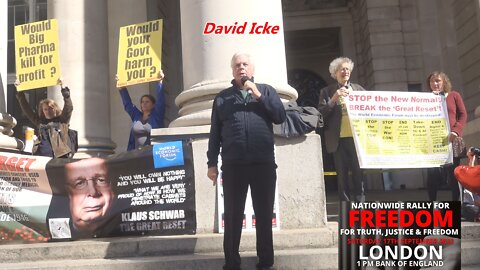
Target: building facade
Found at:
395, 44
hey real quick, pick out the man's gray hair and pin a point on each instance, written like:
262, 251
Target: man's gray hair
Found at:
334, 65
238, 54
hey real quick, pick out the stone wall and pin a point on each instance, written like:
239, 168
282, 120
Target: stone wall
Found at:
380, 44
467, 26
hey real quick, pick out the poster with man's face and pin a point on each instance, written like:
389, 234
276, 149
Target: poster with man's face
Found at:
142, 192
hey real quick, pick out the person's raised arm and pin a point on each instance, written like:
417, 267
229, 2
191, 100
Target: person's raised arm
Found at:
27, 110
127, 101
68, 104
159, 109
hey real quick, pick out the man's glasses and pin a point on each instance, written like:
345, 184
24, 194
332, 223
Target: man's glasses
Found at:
82, 183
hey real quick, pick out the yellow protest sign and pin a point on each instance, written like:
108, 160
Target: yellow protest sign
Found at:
37, 54
139, 53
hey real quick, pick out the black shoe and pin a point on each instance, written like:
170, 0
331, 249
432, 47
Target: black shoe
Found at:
231, 268
259, 267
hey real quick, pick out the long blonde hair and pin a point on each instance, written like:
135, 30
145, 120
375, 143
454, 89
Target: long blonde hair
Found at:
50, 103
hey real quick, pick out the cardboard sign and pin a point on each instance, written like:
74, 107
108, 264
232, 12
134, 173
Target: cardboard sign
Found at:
139, 53
37, 54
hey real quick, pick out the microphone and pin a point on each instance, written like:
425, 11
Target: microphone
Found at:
243, 80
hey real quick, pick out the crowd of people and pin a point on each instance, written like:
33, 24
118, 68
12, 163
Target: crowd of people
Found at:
241, 132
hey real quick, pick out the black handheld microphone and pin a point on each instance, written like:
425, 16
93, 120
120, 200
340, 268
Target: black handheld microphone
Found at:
243, 80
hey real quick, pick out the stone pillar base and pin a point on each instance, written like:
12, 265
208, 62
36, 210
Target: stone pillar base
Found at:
10, 143
7, 123
95, 147
301, 187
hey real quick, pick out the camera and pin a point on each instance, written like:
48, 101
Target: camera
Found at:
476, 151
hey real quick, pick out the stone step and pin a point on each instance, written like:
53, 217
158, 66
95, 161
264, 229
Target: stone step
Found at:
470, 245
471, 267
294, 249
320, 258
470, 230
470, 252
123, 247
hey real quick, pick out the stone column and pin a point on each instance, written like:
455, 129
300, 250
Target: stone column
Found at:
7, 122
120, 120
206, 58
83, 35
206, 71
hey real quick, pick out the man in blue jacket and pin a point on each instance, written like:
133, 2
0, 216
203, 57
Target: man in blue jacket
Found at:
241, 125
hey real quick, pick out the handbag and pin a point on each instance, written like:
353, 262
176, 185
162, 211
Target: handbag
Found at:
459, 148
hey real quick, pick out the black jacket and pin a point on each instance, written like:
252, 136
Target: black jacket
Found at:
332, 115
243, 126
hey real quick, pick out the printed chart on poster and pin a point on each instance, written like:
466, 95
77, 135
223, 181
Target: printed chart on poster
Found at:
399, 129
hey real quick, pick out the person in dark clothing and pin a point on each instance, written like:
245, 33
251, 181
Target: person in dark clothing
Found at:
52, 124
241, 125
338, 133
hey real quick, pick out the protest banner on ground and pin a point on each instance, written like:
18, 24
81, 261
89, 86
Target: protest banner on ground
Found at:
399, 129
37, 54
139, 53
25, 196
143, 192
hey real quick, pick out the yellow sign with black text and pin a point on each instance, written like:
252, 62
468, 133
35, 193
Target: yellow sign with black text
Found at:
37, 54
139, 53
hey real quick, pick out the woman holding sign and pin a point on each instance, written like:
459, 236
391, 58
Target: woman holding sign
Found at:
55, 137
149, 116
439, 84
338, 132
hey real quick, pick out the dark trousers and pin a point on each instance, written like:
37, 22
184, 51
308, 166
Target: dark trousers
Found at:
346, 161
436, 176
236, 178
